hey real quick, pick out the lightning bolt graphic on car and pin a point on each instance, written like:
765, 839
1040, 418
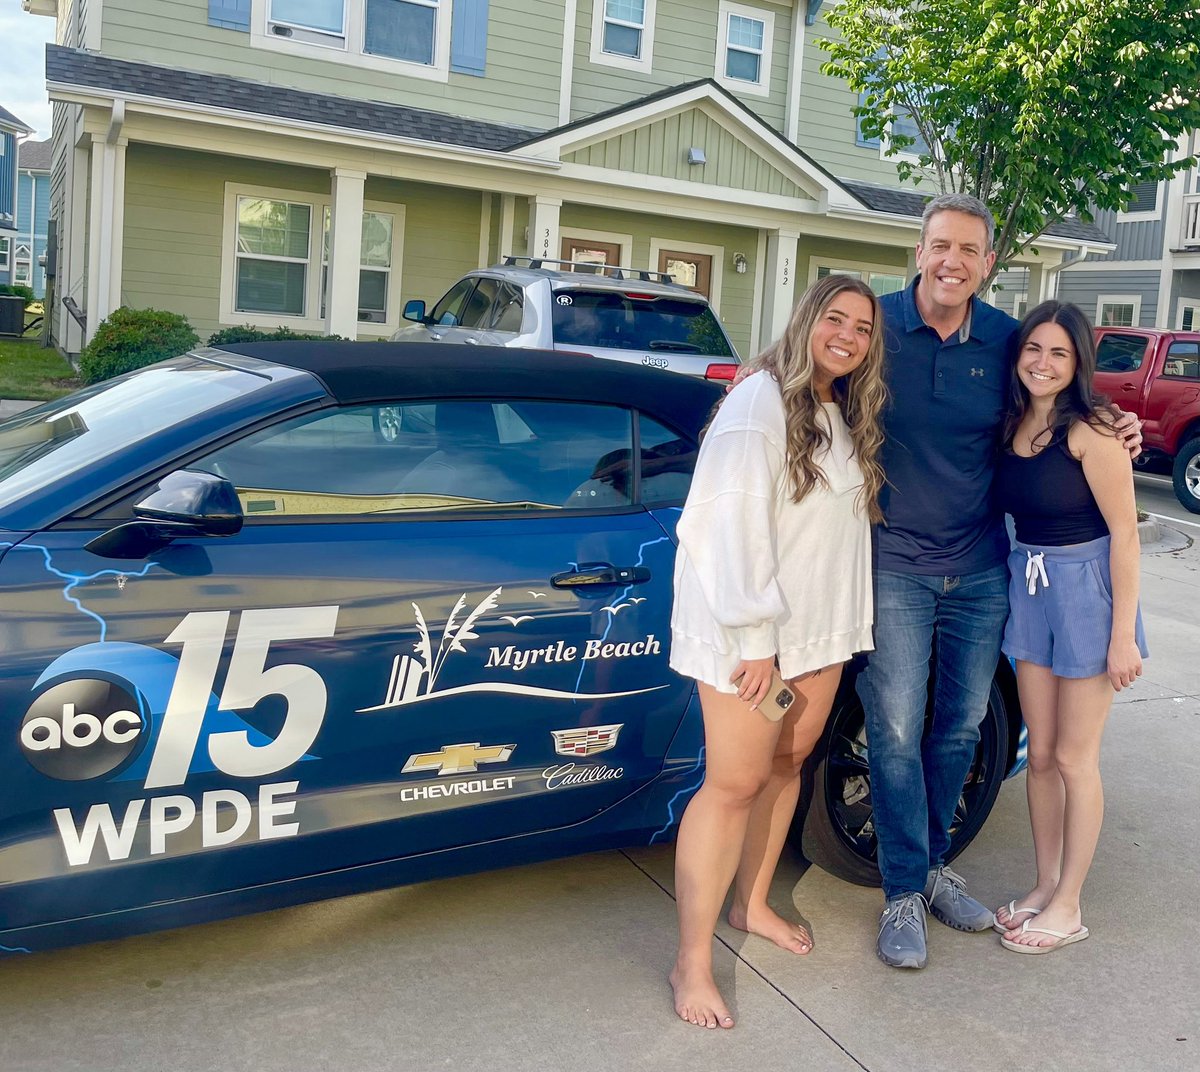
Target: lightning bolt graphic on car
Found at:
686, 790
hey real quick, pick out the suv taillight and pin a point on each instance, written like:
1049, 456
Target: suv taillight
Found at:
721, 372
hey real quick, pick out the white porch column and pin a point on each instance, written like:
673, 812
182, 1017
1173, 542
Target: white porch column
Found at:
1039, 286
543, 226
106, 230
345, 252
779, 286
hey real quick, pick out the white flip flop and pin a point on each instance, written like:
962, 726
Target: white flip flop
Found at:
1013, 910
1063, 939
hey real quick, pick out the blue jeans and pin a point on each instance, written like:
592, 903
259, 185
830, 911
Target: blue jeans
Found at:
916, 779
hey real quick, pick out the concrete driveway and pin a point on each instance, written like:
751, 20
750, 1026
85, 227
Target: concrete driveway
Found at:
561, 966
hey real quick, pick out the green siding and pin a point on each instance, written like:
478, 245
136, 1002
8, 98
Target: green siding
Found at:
661, 149
684, 50
737, 291
521, 85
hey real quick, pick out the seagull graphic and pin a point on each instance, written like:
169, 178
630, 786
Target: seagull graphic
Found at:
538, 595
637, 599
615, 610
518, 619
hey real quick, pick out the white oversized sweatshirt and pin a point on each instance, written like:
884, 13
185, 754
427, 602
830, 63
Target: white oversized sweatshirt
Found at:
757, 574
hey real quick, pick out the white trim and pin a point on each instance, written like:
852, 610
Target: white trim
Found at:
351, 50
508, 224
1119, 299
311, 319
1160, 195
1187, 303
756, 300
761, 88
644, 62
485, 228
613, 238
834, 263
1112, 266
795, 77
566, 80
717, 253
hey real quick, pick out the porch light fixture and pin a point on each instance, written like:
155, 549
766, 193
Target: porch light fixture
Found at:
739, 263
696, 156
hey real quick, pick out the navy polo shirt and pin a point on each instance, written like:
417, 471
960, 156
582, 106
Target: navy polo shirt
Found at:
942, 430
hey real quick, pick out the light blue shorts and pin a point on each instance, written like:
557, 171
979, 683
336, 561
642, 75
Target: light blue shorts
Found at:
1060, 608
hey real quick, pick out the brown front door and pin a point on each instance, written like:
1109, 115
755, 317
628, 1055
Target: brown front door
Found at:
693, 270
586, 252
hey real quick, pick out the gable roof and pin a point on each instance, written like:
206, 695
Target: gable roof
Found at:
7, 119
67, 67
912, 203
35, 155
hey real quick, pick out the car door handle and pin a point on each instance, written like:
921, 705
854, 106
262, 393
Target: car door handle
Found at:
435, 336
1128, 387
600, 574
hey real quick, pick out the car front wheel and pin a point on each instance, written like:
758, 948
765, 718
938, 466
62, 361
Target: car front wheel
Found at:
837, 829
1185, 475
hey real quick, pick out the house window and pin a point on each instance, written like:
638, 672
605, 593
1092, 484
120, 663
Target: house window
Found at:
1118, 310
375, 266
4, 252
623, 33
1189, 315
1020, 304
378, 34
744, 36
272, 256
881, 280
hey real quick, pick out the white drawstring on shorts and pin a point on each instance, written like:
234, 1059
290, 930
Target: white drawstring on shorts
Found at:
1035, 570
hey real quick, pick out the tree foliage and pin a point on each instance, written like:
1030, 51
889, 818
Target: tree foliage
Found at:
1041, 108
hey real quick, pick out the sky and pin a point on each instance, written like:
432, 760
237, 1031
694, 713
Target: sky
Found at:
23, 40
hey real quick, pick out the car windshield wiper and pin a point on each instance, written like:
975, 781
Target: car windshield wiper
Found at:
670, 344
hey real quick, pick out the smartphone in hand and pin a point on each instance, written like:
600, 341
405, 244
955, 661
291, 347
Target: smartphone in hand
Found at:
778, 700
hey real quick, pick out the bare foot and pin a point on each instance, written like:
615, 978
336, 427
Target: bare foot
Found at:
767, 923
1053, 918
697, 999
1035, 899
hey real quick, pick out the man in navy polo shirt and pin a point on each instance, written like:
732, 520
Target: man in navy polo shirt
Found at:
941, 572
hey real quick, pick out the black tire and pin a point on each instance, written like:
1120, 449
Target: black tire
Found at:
1185, 474
836, 831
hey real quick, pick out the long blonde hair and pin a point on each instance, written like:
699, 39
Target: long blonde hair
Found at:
860, 396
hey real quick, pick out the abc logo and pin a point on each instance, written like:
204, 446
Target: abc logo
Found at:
81, 729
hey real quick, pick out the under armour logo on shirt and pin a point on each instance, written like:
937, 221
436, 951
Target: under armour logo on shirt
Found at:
976, 372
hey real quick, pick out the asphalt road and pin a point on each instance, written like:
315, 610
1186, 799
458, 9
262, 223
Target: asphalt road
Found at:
1156, 495
561, 966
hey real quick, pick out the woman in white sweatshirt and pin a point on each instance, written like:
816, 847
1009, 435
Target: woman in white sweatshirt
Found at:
774, 565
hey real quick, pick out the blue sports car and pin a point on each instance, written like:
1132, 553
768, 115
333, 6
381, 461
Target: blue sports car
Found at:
294, 620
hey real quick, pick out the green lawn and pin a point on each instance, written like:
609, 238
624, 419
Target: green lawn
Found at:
29, 371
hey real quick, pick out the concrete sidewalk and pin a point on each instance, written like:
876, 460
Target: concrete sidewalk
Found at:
9, 406
561, 966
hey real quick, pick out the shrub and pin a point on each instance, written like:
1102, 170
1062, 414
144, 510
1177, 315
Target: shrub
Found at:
133, 338
20, 290
246, 333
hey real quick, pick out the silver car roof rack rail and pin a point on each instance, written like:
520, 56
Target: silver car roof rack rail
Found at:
613, 271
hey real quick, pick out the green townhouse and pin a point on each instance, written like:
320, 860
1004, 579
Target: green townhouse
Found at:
315, 163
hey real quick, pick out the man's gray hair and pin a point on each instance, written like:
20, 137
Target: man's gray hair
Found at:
972, 206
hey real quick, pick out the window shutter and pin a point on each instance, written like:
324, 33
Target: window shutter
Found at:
866, 143
1144, 197
468, 37
229, 14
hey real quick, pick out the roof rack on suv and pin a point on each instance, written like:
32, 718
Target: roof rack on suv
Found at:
614, 271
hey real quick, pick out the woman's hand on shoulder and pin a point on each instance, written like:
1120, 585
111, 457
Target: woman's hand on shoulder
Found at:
753, 679
1124, 663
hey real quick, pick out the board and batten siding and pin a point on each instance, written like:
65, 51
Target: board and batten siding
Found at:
520, 86
685, 49
1137, 240
1083, 288
174, 217
660, 149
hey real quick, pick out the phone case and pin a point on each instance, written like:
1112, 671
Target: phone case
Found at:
779, 699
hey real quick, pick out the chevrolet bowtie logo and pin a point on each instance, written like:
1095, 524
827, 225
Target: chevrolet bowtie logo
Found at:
459, 758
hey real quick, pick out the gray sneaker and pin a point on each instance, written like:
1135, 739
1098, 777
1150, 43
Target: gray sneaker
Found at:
949, 902
902, 932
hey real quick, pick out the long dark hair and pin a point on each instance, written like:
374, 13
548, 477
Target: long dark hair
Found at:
1077, 401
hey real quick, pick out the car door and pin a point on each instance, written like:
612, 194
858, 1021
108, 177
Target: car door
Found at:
453, 635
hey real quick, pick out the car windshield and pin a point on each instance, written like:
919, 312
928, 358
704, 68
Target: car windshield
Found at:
44, 445
631, 321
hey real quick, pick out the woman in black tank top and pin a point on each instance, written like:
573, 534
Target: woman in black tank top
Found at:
1074, 628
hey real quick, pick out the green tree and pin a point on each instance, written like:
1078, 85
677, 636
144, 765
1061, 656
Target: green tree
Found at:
1041, 108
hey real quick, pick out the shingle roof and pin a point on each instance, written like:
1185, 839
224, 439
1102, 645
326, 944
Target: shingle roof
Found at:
66, 66
35, 155
9, 120
912, 203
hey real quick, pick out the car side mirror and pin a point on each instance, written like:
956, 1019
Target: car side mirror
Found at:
415, 310
187, 502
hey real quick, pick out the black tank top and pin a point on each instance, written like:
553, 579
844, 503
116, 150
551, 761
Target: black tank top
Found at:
1048, 497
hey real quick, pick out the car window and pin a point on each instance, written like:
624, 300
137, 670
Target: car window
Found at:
1183, 361
448, 311
507, 309
443, 456
667, 463
631, 321
477, 312
1120, 353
